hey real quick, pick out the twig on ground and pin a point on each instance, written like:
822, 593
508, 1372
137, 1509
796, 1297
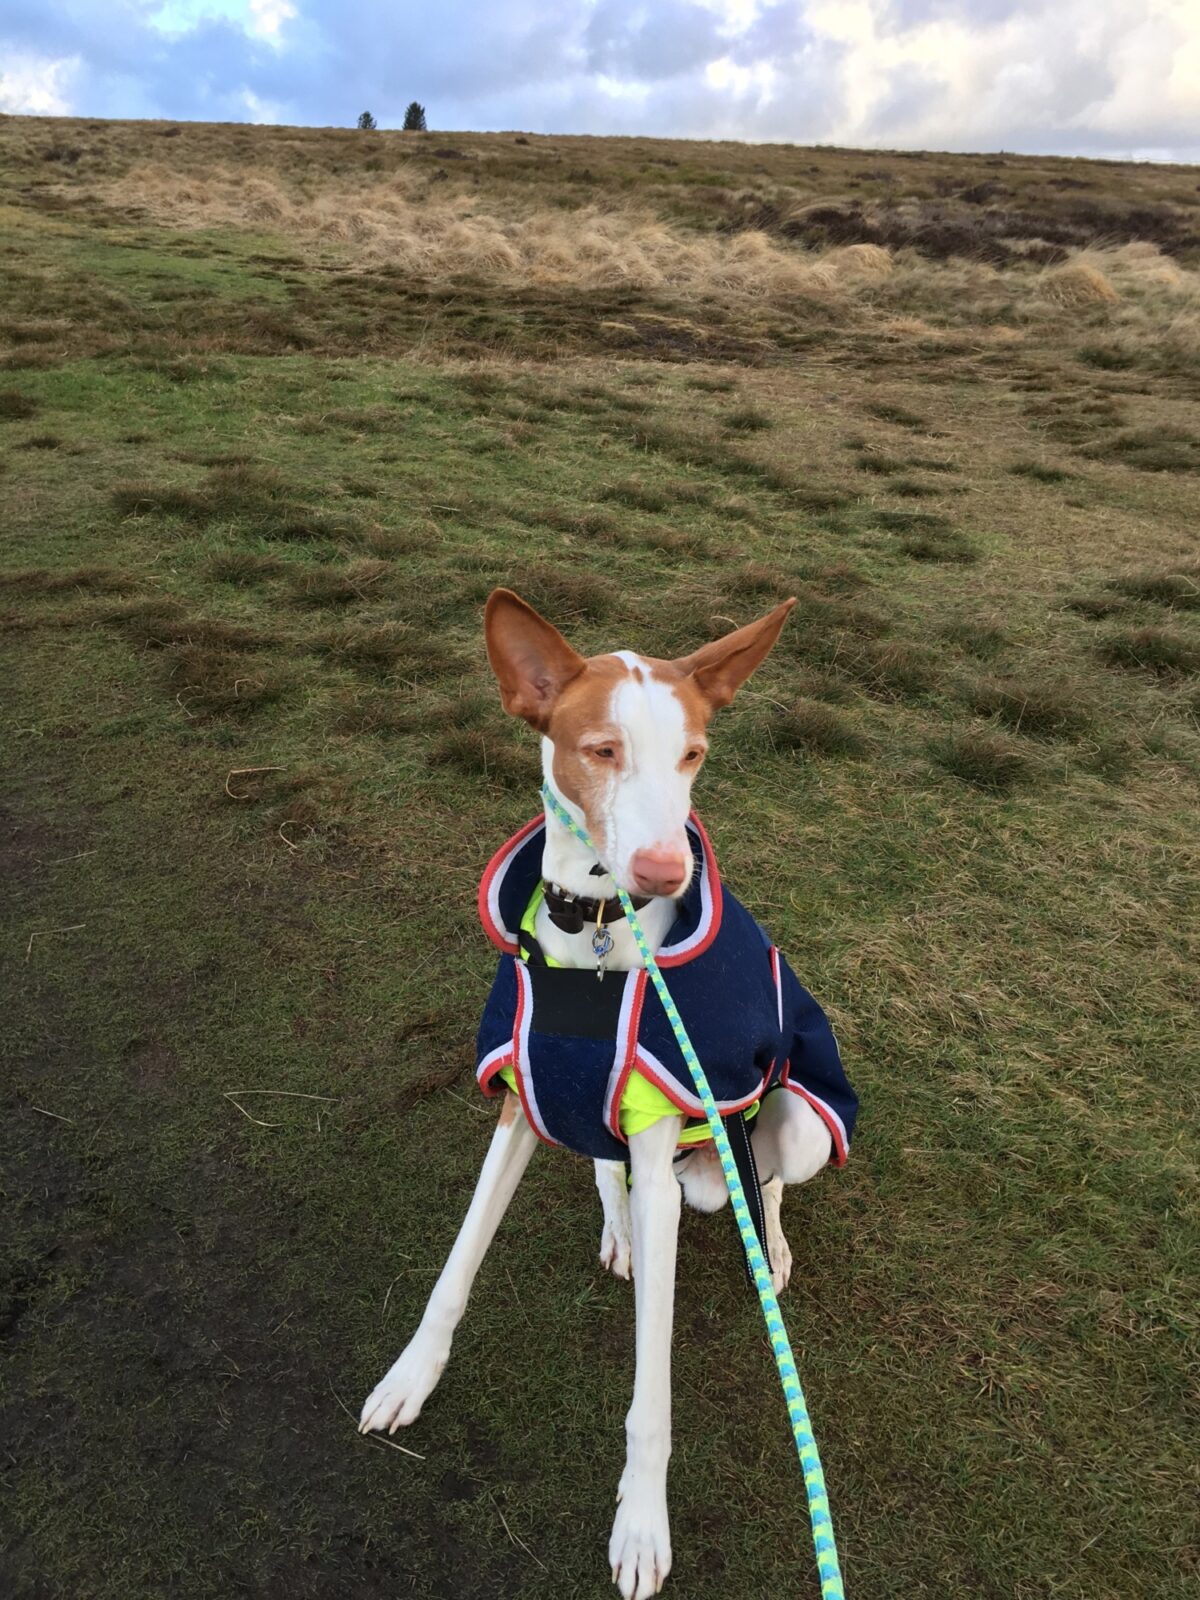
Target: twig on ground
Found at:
514, 1537
374, 1438
42, 933
43, 1112
61, 861
285, 1094
243, 772
258, 1122
481, 1111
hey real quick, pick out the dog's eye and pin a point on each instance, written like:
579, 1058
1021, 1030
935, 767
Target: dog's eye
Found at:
692, 757
605, 752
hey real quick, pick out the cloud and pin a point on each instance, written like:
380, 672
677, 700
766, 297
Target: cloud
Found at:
37, 86
268, 17
1081, 76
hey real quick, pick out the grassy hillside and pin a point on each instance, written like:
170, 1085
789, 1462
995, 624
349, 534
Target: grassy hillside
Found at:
278, 407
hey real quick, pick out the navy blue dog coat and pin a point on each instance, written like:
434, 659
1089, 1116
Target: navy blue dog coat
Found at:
571, 1043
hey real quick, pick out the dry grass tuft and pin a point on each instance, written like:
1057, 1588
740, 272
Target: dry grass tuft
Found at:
96, 580
757, 583
869, 262
244, 567
335, 586
1039, 472
565, 594
371, 645
815, 729
1157, 450
636, 494
155, 628
884, 411
16, 406
486, 757
1095, 607
1176, 588
220, 682
979, 637
747, 419
258, 498
1157, 650
1042, 709
986, 760
1076, 285
893, 669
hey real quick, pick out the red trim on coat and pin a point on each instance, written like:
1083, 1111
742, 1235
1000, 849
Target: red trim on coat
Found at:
840, 1150
522, 1095
670, 1088
485, 1082
494, 932
665, 958
631, 1055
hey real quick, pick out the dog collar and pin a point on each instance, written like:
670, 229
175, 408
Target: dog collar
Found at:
573, 912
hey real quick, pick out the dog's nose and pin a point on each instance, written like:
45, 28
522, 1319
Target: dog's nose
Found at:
658, 871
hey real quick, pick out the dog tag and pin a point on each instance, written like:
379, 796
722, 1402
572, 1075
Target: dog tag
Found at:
602, 944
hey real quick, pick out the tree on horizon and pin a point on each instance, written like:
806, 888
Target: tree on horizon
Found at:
366, 120
414, 118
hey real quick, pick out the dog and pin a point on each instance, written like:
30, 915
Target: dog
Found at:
581, 1062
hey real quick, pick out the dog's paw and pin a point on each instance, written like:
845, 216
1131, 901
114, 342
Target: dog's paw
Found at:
781, 1261
396, 1400
616, 1249
639, 1551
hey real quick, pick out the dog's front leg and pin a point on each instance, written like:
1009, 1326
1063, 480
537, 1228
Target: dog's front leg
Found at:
398, 1397
615, 1245
639, 1551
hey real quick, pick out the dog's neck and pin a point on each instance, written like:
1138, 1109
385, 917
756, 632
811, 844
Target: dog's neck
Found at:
567, 862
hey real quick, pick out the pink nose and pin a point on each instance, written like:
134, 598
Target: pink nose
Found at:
658, 871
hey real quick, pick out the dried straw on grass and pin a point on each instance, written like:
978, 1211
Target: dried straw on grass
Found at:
864, 261
427, 236
1077, 284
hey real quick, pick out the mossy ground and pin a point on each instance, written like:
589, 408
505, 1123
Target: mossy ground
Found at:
254, 765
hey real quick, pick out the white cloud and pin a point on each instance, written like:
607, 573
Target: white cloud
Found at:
261, 110
1079, 75
267, 18
37, 86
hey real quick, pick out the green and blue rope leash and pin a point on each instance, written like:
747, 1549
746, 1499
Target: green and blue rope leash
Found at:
806, 1445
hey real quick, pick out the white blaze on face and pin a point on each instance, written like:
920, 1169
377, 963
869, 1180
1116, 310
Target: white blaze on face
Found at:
647, 801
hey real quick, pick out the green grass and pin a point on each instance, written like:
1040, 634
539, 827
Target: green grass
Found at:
254, 765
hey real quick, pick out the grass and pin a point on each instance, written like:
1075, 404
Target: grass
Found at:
812, 728
1161, 650
255, 762
986, 760
1040, 472
1041, 709
1163, 450
15, 406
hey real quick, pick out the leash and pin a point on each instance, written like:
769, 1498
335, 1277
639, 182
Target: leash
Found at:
806, 1445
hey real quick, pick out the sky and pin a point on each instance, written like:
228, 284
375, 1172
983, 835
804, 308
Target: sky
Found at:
1117, 78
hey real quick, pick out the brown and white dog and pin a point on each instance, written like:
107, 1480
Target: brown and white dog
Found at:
623, 737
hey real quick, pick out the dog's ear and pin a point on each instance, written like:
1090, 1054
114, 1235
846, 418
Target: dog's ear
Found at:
720, 669
532, 661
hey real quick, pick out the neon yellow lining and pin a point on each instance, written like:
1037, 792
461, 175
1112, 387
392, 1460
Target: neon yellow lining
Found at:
642, 1103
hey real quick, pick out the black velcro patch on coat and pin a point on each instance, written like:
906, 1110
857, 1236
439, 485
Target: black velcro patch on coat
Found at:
574, 1004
